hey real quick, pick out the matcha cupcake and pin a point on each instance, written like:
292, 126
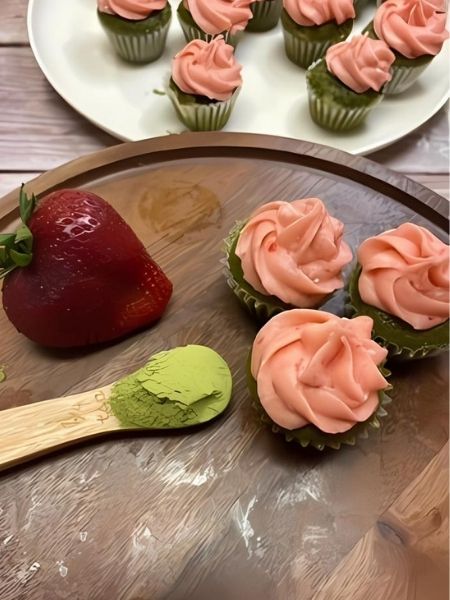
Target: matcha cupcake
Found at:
266, 14
345, 86
205, 19
205, 83
288, 254
318, 379
402, 283
137, 29
310, 27
415, 31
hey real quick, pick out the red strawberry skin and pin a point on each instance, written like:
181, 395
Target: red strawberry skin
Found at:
91, 280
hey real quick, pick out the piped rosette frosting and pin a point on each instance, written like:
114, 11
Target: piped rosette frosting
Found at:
134, 10
318, 12
219, 16
405, 272
361, 63
312, 367
294, 251
411, 27
207, 69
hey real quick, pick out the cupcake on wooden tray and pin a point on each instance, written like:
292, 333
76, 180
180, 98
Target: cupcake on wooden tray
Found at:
415, 31
266, 14
345, 86
137, 29
402, 283
310, 27
205, 83
288, 254
318, 379
204, 19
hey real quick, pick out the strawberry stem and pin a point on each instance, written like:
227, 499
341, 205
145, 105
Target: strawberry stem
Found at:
16, 248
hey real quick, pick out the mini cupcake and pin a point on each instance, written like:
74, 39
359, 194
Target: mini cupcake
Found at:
288, 254
345, 86
205, 83
266, 14
137, 29
310, 27
415, 31
318, 378
204, 19
402, 283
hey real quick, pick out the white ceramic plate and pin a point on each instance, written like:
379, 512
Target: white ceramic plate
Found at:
75, 56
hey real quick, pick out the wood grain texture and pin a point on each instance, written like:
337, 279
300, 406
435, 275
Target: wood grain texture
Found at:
230, 510
13, 22
38, 130
36, 429
405, 555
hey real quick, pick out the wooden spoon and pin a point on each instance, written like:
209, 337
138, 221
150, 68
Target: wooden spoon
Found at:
36, 429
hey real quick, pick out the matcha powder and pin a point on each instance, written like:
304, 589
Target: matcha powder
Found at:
177, 388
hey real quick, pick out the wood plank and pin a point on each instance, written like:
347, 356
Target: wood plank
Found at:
13, 28
405, 555
10, 181
437, 183
38, 129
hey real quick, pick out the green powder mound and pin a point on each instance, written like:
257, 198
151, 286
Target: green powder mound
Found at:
177, 388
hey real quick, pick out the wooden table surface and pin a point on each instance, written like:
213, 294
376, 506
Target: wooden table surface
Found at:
39, 131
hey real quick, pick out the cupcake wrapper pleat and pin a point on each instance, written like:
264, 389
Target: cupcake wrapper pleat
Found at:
334, 117
140, 48
204, 117
265, 15
301, 52
403, 78
195, 33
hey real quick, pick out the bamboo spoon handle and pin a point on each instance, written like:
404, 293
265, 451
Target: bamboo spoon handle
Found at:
32, 430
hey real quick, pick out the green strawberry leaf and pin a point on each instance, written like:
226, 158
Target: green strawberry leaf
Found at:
16, 248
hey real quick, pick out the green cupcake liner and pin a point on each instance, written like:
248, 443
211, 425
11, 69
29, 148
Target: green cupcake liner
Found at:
193, 32
138, 42
405, 71
305, 45
258, 305
265, 15
333, 105
310, 435
201, 116
402, 341
335, 117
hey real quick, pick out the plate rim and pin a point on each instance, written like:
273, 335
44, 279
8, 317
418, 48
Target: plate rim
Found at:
224, 144
367, 149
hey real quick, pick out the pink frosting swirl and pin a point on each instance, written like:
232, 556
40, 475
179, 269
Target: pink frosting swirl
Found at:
207, 69
294, 251
313, 367
361, 63
131, 9
411, 27
318, 12
218, 16
405, 272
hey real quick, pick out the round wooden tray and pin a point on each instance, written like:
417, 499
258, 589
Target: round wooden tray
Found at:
230, 510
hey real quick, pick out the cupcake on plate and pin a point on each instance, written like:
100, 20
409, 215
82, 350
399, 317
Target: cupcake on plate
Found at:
266, 14
318, 378
137, 29
345, 86
402, 283
310, 27
288, 254
415, 31
205, 83
204, 19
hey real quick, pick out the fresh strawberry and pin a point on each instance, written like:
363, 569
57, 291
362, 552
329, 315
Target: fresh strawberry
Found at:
76, 274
